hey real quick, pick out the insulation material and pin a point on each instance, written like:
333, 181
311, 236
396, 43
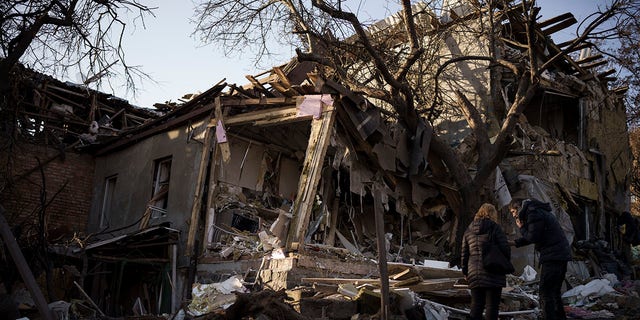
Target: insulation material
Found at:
500, 190
312, 105
244, 168
221, 134
209, 297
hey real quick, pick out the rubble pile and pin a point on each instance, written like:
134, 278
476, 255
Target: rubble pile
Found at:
414, 297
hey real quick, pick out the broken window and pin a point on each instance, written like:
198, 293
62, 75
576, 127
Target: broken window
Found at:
107, 200
160, 195
558, 114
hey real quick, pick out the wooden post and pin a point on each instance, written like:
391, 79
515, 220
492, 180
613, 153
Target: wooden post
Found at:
174, 278
23, 268
197, 196
382, 253
311, 170
213, 187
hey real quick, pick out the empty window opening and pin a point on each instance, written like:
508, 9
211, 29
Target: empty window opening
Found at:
108, 200
245, 223
160, 195
558, 114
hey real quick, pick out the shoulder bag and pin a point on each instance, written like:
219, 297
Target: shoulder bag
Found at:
493, 260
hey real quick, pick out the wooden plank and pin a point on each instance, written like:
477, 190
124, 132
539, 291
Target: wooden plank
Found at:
595, 64
406, 282
121, 143
284, 120
197, 196
282, 77
422, 286
556, 19
589, 59
311, 170
210, 219
262, 116
333, 224
382, 251
23, 268
259, 85
607, 73
225, 150
560, 26
400, 274
433, 285
259, 102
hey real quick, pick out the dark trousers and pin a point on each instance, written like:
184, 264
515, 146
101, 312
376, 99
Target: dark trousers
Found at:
551, 278
489, 297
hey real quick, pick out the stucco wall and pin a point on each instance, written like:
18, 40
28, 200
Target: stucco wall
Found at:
134, 167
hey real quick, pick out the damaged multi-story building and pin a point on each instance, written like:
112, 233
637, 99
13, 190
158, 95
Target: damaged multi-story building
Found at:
295, 176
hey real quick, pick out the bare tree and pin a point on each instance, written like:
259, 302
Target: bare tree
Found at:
401, 64
55, 36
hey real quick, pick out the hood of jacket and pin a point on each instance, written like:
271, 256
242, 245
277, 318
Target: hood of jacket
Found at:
531, 205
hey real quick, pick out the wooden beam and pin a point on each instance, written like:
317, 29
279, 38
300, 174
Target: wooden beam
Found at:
595, 64
258, 85
514, 43
262, 117
556, 19
210, 219
589, 59
152, 131
559, 26
197, 195
576, 66
607, 73
382, 252
258, 101
23, 268
225, 150
283, 77
311, 170
581, 46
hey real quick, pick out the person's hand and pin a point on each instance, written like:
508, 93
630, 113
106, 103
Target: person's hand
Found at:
518, 223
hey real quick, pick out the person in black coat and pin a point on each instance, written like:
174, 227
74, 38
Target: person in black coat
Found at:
539, 226
486, 287
629, 228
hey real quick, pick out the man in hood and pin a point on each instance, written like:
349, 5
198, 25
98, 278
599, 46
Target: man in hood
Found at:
539, 226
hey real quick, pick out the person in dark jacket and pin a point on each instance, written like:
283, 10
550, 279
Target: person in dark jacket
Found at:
486, 287
629, 227
539, 226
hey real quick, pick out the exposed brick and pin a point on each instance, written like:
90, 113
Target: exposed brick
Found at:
68, 188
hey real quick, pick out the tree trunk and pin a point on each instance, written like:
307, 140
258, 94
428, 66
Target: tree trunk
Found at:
469, 204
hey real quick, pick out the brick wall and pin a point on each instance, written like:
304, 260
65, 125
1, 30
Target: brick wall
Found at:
68, 184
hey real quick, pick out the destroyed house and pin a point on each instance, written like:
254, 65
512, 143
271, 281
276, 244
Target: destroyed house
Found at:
294, 179
247, 173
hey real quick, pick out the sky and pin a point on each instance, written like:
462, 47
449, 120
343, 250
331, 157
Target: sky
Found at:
168, 52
